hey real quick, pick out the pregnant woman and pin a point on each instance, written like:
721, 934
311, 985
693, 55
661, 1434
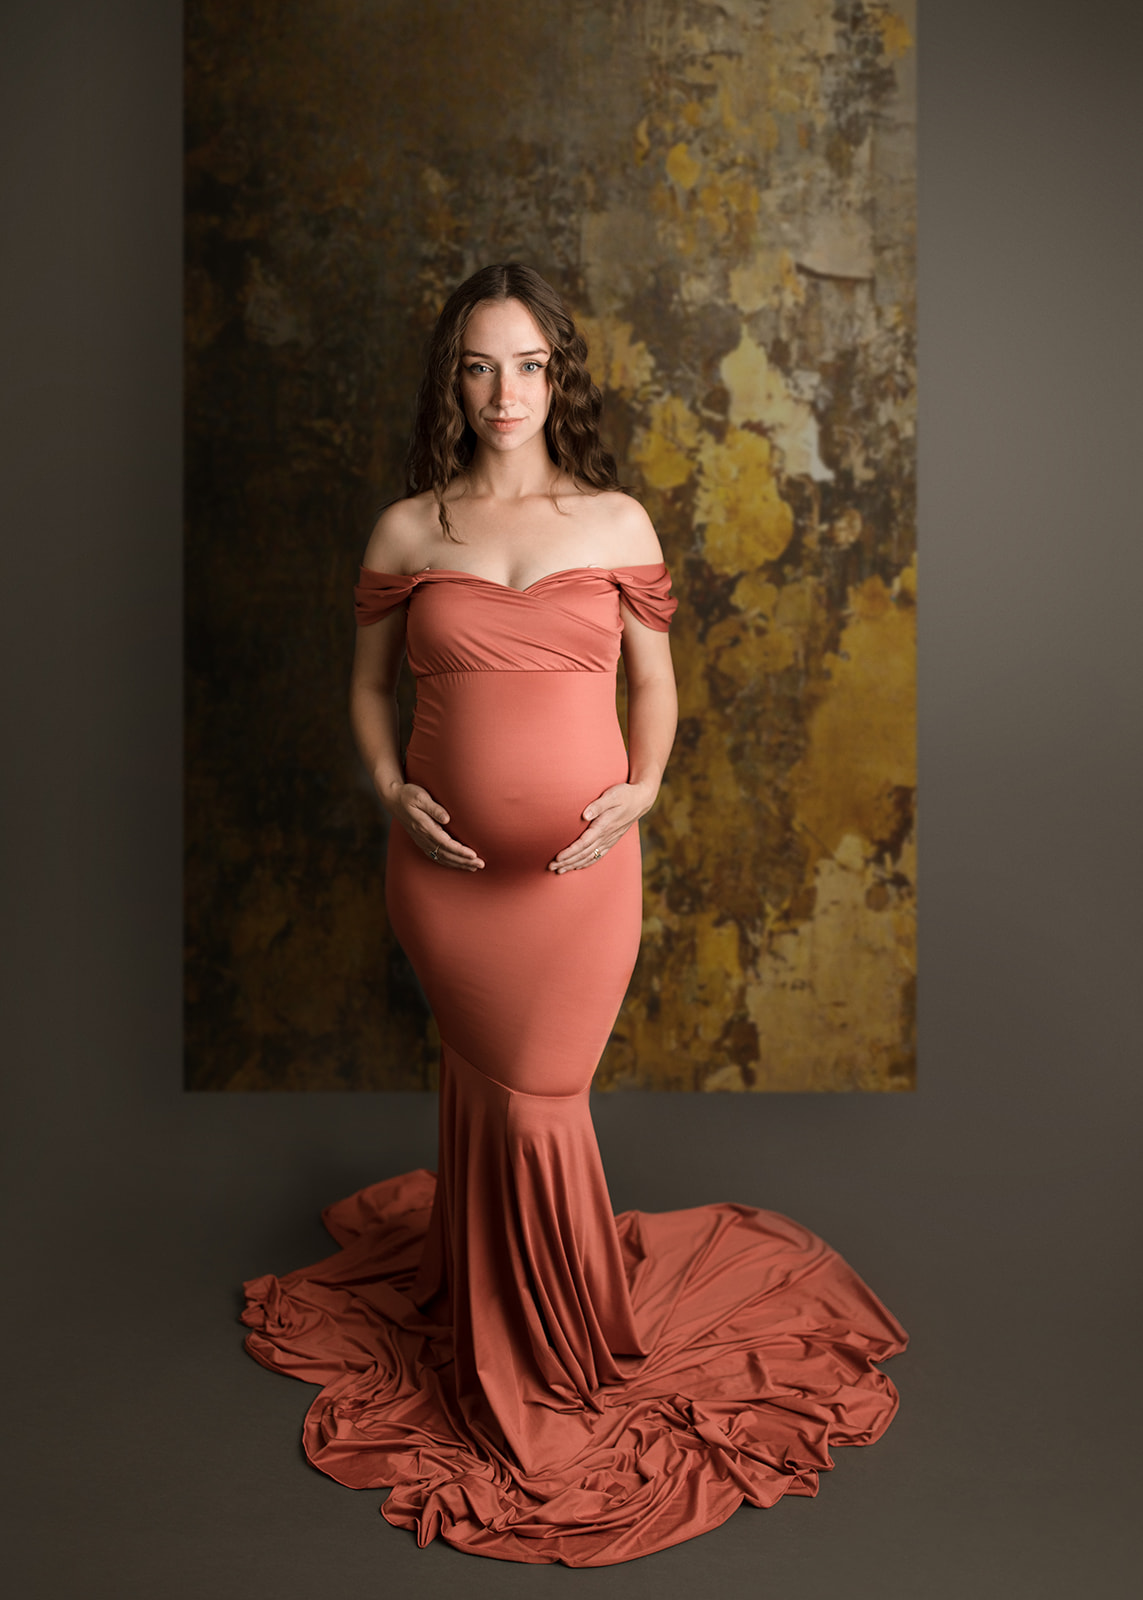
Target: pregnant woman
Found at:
538, 1379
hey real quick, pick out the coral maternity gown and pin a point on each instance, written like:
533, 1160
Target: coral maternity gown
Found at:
538, 1379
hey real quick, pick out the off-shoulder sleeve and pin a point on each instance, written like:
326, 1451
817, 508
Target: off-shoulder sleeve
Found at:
378, 593
646, 592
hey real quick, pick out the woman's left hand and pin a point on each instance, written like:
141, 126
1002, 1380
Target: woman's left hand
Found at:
608, 819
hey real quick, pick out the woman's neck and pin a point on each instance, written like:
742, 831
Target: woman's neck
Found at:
515, 476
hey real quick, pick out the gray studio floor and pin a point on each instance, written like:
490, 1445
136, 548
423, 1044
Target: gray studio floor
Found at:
161, 1461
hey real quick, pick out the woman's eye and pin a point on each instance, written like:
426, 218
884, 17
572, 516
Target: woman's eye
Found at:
477, 369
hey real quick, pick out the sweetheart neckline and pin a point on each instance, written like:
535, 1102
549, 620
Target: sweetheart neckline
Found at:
562, 572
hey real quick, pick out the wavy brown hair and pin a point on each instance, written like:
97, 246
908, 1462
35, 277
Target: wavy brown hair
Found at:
443, 443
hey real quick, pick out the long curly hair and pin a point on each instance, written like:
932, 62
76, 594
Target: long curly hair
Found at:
443, 443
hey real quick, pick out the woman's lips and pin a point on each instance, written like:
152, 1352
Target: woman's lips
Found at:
505, 424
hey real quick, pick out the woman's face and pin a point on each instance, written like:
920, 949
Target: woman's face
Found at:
503, 375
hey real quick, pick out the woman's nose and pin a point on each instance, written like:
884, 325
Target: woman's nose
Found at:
503, 391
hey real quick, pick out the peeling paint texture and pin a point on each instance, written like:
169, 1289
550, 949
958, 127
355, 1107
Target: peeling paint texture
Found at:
725, 193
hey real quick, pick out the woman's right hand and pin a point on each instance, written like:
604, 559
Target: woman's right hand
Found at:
425, 822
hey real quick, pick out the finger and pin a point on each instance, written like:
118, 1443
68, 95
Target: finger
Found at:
447, 852
431, 818
456, 863
604, 802
586, 856
609, 825
588, 840
424, 804
440, 847
441, 856
438, 839
581, 863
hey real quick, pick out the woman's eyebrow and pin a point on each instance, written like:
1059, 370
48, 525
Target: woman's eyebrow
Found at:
515, 356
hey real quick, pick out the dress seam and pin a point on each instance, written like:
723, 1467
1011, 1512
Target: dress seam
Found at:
472, 672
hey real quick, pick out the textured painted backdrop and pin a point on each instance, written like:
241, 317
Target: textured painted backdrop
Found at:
725, 194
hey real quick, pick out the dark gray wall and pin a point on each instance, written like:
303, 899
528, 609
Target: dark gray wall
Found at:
996, 1210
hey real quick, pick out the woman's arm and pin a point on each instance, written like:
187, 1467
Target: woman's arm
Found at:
377, 660
652, 705
652, 714
373, 717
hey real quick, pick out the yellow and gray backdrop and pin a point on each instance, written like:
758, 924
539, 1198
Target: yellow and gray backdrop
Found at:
725, 195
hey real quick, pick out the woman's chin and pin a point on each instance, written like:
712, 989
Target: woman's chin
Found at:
513, 439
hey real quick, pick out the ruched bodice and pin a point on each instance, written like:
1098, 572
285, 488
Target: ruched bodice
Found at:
538, 1379
568, 621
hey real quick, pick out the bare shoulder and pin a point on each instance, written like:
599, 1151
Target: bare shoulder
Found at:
402, 534
623, 528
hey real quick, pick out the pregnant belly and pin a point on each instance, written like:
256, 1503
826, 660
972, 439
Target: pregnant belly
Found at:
515, 756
